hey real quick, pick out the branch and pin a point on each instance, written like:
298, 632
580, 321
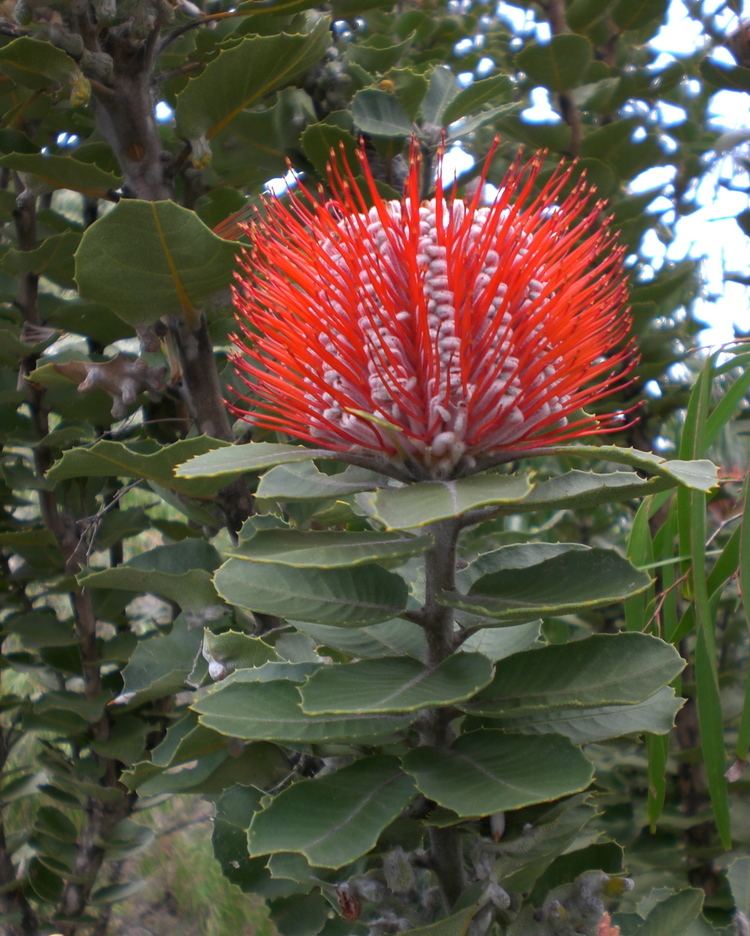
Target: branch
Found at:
568, 108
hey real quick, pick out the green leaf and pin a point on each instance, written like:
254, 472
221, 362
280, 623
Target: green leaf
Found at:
416, 505
586, 724
179, 572
380, 114
485, 772
303, 481
39, 65
53, 258
700, 475
328, 549
674, 914
271, 712
633, 14
496, 643
333, 820
487, 91
146, 460
168, 257
738, 875
442, 90
243, 75
457, 924
391, 638
601, 670
378, 52
584, 489
235, 650
726, 77
160, 665
236, 460
394, 684
560, 64
566, 583
63, 172
348, 597
514, 556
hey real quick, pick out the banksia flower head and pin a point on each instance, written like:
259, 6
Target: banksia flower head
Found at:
441, 334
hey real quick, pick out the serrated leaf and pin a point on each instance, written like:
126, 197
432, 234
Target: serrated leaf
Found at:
329, 549
180, 572
303, 481
146, 460
271, 712
242, 75
604, 669
348, 597
236, 650
560, 64
378, 52
426, 502
380, 114
394, 684
485, 772
335, 819
576, 489
576, 579
168, 257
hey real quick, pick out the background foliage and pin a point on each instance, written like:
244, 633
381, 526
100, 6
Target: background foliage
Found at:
114, 275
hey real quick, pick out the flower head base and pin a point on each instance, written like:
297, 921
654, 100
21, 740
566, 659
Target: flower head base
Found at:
443, 334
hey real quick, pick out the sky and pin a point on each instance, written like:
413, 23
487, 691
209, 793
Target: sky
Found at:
710, 232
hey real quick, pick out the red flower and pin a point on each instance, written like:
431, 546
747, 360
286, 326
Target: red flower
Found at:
442, 334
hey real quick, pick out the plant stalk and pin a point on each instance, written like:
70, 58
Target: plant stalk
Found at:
439, 626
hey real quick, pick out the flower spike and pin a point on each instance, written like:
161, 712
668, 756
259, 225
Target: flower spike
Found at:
436, 333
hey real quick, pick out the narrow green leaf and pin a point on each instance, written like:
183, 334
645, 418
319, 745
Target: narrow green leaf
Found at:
485, 772
416, 505
692, 526
347, 597
333, 820
584, 489
394, 684
271, 712
329, 549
